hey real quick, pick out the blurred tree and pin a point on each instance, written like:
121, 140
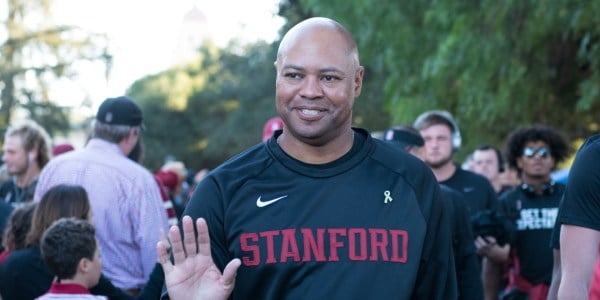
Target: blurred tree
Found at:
494, 64
36, 53
215, 107
209, 110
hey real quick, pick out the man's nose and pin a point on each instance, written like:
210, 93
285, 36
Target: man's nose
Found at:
311, 88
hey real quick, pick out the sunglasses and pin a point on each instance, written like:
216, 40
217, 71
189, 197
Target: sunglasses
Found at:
542, 152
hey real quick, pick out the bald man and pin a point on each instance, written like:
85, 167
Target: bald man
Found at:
320, 210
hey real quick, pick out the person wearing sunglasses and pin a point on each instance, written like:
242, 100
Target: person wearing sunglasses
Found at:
534, 152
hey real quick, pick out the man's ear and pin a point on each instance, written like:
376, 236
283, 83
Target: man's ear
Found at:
358, 80
520, 163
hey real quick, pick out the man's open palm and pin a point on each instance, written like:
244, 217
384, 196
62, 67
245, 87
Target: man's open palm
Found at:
193, 275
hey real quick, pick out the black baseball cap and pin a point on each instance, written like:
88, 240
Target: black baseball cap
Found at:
119, 111
404, 137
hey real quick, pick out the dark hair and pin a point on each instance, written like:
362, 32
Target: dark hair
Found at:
137, 153
559, 149
405, 135
499, 155
19, 223
65, 243
61, 201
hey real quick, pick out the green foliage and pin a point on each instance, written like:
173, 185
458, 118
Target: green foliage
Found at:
215, 107
36, 53
495, 65
223, 100
53, 118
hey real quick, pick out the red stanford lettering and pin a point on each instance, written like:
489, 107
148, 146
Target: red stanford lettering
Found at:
324, 245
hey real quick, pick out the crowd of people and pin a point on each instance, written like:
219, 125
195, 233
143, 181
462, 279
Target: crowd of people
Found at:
319, 209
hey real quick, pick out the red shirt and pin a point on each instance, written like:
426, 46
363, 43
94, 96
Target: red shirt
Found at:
69, 291
3, 255
595, 285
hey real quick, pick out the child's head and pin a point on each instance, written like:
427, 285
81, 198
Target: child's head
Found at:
17, 227
70, 250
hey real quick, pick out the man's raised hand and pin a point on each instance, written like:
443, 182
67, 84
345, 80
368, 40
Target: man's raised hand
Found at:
193, 274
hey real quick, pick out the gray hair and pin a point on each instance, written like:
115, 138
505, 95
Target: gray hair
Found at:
111, 133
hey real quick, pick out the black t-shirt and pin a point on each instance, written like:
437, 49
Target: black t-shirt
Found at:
465, 258
581, 204
478, 191
15, 195
555, 238
534, 217
5, 211
369, 225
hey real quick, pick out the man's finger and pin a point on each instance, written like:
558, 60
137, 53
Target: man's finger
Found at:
189, 236
203, 237
176, 245
230, 273
163, 257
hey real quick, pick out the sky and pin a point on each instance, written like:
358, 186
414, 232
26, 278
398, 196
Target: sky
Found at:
144, 34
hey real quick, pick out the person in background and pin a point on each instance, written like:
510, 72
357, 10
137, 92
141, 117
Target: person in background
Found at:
61, 149
4, 176
442, 139
70, 251
128, 209
579, 219
463, 248
137, 155
14, 234
199, 176
594, 290
167, 182
26, 152
467, 164
556, 270
321, 209
24, 275
272, 125
533, 207
177, 189
489, 162
5, 208
5, 211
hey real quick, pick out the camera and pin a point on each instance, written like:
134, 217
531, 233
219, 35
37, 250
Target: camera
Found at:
493, 223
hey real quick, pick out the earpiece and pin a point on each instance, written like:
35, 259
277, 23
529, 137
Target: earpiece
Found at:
456, 139
31, 156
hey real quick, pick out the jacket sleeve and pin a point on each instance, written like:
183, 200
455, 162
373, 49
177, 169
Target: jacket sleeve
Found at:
468, 272
437, 276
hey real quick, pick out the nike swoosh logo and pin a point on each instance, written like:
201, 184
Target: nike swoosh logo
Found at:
260, 203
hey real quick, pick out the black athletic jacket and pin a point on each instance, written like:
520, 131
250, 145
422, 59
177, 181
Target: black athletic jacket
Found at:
369, 225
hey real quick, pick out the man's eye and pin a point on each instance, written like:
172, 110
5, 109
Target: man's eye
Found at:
329, 78
293, 75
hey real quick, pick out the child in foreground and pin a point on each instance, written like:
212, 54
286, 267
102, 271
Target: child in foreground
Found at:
70, 250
